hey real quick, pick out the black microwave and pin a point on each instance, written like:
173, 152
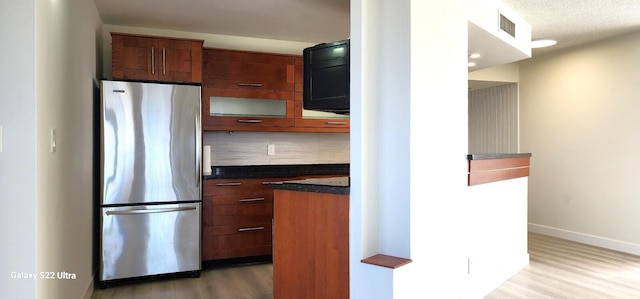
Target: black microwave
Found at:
326, 77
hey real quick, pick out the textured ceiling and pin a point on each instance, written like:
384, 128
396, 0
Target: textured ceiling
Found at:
575, 22
571, 22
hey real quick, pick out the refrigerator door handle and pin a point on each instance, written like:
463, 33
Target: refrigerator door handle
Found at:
149, 211
198, 149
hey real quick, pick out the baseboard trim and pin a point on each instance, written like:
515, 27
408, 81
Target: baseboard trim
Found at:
612, 244
89, 292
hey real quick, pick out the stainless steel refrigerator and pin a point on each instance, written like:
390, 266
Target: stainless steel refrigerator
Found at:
150, 180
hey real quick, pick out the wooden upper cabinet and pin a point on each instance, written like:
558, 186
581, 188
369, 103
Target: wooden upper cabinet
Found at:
254, 91
150, 58
316, 121
231, 69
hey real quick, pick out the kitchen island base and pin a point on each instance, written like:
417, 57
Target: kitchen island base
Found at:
311, 245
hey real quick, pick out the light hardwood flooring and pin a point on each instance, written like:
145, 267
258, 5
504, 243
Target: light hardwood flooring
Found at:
253, 281
558, 269
564, 269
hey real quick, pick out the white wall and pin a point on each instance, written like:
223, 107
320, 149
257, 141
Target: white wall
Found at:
579, 118
17, 158
418, 123
509, 72
67, 50
497, 234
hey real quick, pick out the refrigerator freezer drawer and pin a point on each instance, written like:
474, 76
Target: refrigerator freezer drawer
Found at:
149, 240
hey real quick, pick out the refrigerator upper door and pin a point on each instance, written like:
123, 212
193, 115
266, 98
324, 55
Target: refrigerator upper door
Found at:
150, 142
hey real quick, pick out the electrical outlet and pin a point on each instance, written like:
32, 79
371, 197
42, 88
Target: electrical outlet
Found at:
271, 149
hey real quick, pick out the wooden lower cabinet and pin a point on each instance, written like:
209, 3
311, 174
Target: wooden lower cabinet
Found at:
237, 217
236, 220
311, 245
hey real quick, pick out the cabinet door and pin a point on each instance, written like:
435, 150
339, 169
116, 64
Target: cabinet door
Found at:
315, 120
134, 57
179, 60
248, 70
236, 109
328, 122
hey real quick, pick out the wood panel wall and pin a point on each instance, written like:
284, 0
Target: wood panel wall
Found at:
494, 170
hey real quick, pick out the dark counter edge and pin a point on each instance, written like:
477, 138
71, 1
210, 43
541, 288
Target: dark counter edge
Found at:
276, 171
497, 156
339, 186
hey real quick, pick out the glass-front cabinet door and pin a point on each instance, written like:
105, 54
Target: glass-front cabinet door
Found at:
247, 108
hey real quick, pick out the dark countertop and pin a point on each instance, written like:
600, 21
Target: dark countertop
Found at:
497, 156
275, 171
337, 185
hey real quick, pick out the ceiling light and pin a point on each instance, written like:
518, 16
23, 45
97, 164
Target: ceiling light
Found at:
471, 64
474, 55
541, 43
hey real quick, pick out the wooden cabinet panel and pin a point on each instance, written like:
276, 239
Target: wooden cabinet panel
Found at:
237, 215
232, 69
245, 199
242, 214
336, 125
133, 57
180, 60
228, 242
311, 245
236, 186
150, 58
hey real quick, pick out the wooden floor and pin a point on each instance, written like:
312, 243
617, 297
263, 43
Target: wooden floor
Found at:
565, 269
558, 269
236, 282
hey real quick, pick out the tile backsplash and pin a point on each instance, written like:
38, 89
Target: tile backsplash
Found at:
250, 148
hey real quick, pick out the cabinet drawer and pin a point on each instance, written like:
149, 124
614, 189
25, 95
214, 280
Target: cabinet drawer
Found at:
222, 242
243, 200
234, 206
229, 186
238, 186
241, 215
259, 227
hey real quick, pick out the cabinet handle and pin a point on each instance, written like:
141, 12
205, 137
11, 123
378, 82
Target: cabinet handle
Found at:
153, 61
250, 84
164, 62
248, 229
336, 123
228, 184
251, 199
250, 121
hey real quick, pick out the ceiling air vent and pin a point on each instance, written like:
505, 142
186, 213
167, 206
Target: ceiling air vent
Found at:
507, 26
